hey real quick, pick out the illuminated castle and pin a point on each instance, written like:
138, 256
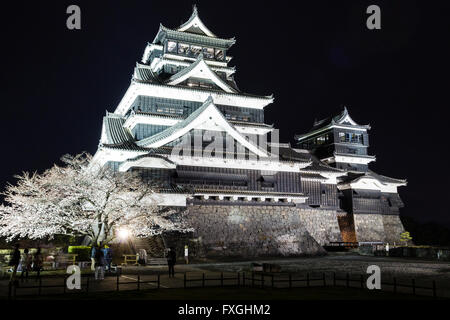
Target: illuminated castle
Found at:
250, 196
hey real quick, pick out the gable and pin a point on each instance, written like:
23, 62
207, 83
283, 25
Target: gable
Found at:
207, 117
195, 25
200, 70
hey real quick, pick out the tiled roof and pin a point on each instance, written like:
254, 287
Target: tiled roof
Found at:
248, 192
354, 176
291, 154
251, 124
144, 74
318, 166
215, 77
316, 176
192, 37
381, 178
186, 70
158, 115
127, 146
193, 28
167, 132
175, 189
330, 121
242, 94
115, 132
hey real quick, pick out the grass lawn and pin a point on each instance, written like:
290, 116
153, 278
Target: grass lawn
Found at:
232, 293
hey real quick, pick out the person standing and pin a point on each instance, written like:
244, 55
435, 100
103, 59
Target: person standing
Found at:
93, 250
14, 262
107, 253
37, 263
186, 254
171, 260
100, 264
27, 260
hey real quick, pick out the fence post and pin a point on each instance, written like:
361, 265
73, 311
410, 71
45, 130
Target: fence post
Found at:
272, 282
253, 279
221, 279
362, 282
184, 280
290, 281
243, 279
395, 285
307, 279
40, 287
64, 284
334, 279
159, 280
117, 282
347, 278
414, 286
434, 289
324, 280
239, 279
139, 282
262, 280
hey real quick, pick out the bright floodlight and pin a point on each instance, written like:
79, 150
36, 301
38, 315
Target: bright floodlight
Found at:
124, 234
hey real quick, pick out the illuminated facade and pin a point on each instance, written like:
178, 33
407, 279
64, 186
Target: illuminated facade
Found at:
244, 194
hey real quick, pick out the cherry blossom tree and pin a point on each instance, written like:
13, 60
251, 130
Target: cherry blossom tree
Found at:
79, 199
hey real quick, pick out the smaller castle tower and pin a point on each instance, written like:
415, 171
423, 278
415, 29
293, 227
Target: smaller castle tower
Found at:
370, 201
340, 142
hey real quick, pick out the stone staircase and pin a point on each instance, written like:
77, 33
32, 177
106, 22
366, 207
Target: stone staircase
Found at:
154, 246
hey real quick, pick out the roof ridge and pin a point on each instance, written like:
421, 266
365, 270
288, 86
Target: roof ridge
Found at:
190, 23
164, 28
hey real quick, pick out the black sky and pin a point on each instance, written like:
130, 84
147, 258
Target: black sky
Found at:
314, 56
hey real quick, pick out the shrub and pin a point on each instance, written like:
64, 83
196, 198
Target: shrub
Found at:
84, 252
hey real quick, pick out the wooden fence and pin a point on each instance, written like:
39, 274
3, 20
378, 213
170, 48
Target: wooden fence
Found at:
245, 279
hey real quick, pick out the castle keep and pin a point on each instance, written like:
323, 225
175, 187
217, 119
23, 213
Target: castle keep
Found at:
251, 196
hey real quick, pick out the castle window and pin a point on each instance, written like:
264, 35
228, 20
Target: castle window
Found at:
356, 138
321, 140
183, 48
208, 53
196, 50
219, 54
171, 46
350, 137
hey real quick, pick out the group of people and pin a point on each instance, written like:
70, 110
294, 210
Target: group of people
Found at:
25, 263
101, 258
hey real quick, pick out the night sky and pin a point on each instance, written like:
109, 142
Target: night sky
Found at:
314, 57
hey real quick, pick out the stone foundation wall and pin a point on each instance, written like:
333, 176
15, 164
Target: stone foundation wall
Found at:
262, 230
322, 225
377, 227
369, 227
393, 227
